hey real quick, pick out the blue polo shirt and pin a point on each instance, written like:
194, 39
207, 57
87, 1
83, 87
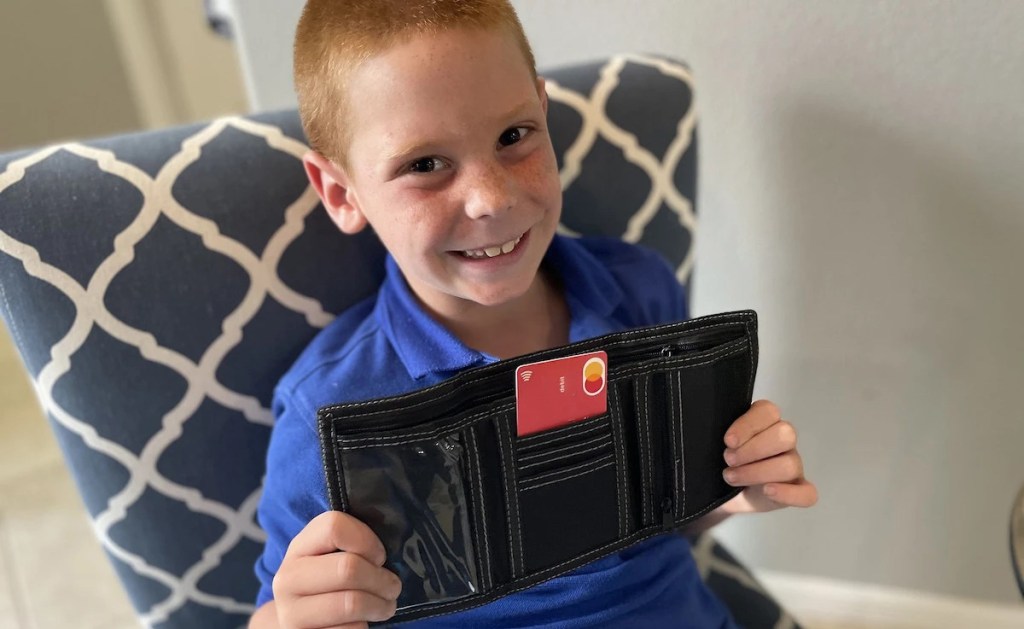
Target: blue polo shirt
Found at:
389, 345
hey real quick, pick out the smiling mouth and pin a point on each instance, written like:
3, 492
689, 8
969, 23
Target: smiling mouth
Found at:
493, 252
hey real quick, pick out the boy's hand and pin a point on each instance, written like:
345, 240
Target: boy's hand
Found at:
319, 587
762, 457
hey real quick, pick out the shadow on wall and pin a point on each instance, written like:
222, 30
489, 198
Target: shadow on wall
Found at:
902, 262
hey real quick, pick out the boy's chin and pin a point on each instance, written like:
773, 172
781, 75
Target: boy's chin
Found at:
495, 299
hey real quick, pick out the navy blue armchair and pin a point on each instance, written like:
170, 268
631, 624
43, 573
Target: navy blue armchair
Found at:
158, 284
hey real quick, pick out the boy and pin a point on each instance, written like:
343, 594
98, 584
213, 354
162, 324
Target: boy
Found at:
427, 122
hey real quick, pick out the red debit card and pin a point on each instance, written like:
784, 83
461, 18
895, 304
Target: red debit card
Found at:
556, 392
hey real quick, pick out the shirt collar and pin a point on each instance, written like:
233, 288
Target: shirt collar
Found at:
426, 347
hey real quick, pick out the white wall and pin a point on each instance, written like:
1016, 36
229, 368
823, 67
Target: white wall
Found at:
61, 74
178, 68
861, 188
77, 70
264, 30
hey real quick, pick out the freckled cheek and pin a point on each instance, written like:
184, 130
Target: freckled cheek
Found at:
539, 177
426, 217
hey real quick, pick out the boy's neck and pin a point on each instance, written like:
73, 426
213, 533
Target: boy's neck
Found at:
537, 320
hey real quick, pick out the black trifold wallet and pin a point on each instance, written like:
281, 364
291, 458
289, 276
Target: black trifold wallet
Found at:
469, 512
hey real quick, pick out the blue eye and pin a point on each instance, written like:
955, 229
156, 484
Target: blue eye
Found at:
512, 135
426, 165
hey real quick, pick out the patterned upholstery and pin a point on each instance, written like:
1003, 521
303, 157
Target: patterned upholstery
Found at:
158, 284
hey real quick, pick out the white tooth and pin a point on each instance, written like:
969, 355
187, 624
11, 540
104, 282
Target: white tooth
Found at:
508, 246
518, 239
492, 251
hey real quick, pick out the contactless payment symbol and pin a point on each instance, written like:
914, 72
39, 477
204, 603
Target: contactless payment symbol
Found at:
594, 376
556, 392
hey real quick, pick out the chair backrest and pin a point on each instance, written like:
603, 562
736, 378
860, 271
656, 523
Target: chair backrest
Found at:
157, 285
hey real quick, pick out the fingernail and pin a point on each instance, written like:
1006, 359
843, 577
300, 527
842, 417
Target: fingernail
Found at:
730, 457
770, 490
729, 475
732, 440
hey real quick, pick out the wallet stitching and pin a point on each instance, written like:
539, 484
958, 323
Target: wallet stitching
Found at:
592, 466
672, 450
482, 520
741, 320
530, 442
582, 559
619, 445
471, 499
552, 571
372, 441
603, 443
339, 474
511, 497
638, 409
533, 453
681, 493
645, 444
423, 435
571, 468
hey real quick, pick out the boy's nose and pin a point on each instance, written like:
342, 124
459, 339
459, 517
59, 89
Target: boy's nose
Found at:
489, 192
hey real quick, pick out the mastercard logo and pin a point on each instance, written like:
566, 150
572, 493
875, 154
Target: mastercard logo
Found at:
594, 376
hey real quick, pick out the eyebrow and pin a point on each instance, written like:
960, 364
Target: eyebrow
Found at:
426, 146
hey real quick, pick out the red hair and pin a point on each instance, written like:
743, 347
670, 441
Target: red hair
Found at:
335, 36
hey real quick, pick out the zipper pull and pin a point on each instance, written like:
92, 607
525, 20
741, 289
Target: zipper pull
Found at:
667, 351
667, 518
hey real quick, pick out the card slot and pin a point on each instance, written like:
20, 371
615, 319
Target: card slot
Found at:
568, 513
566, 459
564, 463
574, 431
533, 458
570, 471
572, 445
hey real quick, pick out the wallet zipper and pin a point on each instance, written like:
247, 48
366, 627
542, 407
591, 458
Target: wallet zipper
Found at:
706, 340
701, 341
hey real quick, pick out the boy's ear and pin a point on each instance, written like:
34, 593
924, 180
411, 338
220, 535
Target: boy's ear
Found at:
332, 185
542, 93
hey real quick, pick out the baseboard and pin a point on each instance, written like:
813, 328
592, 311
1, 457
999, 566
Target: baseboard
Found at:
818, 602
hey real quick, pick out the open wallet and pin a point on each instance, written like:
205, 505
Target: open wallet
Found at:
468, 510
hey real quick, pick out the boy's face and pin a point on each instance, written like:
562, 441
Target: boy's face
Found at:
451, 163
